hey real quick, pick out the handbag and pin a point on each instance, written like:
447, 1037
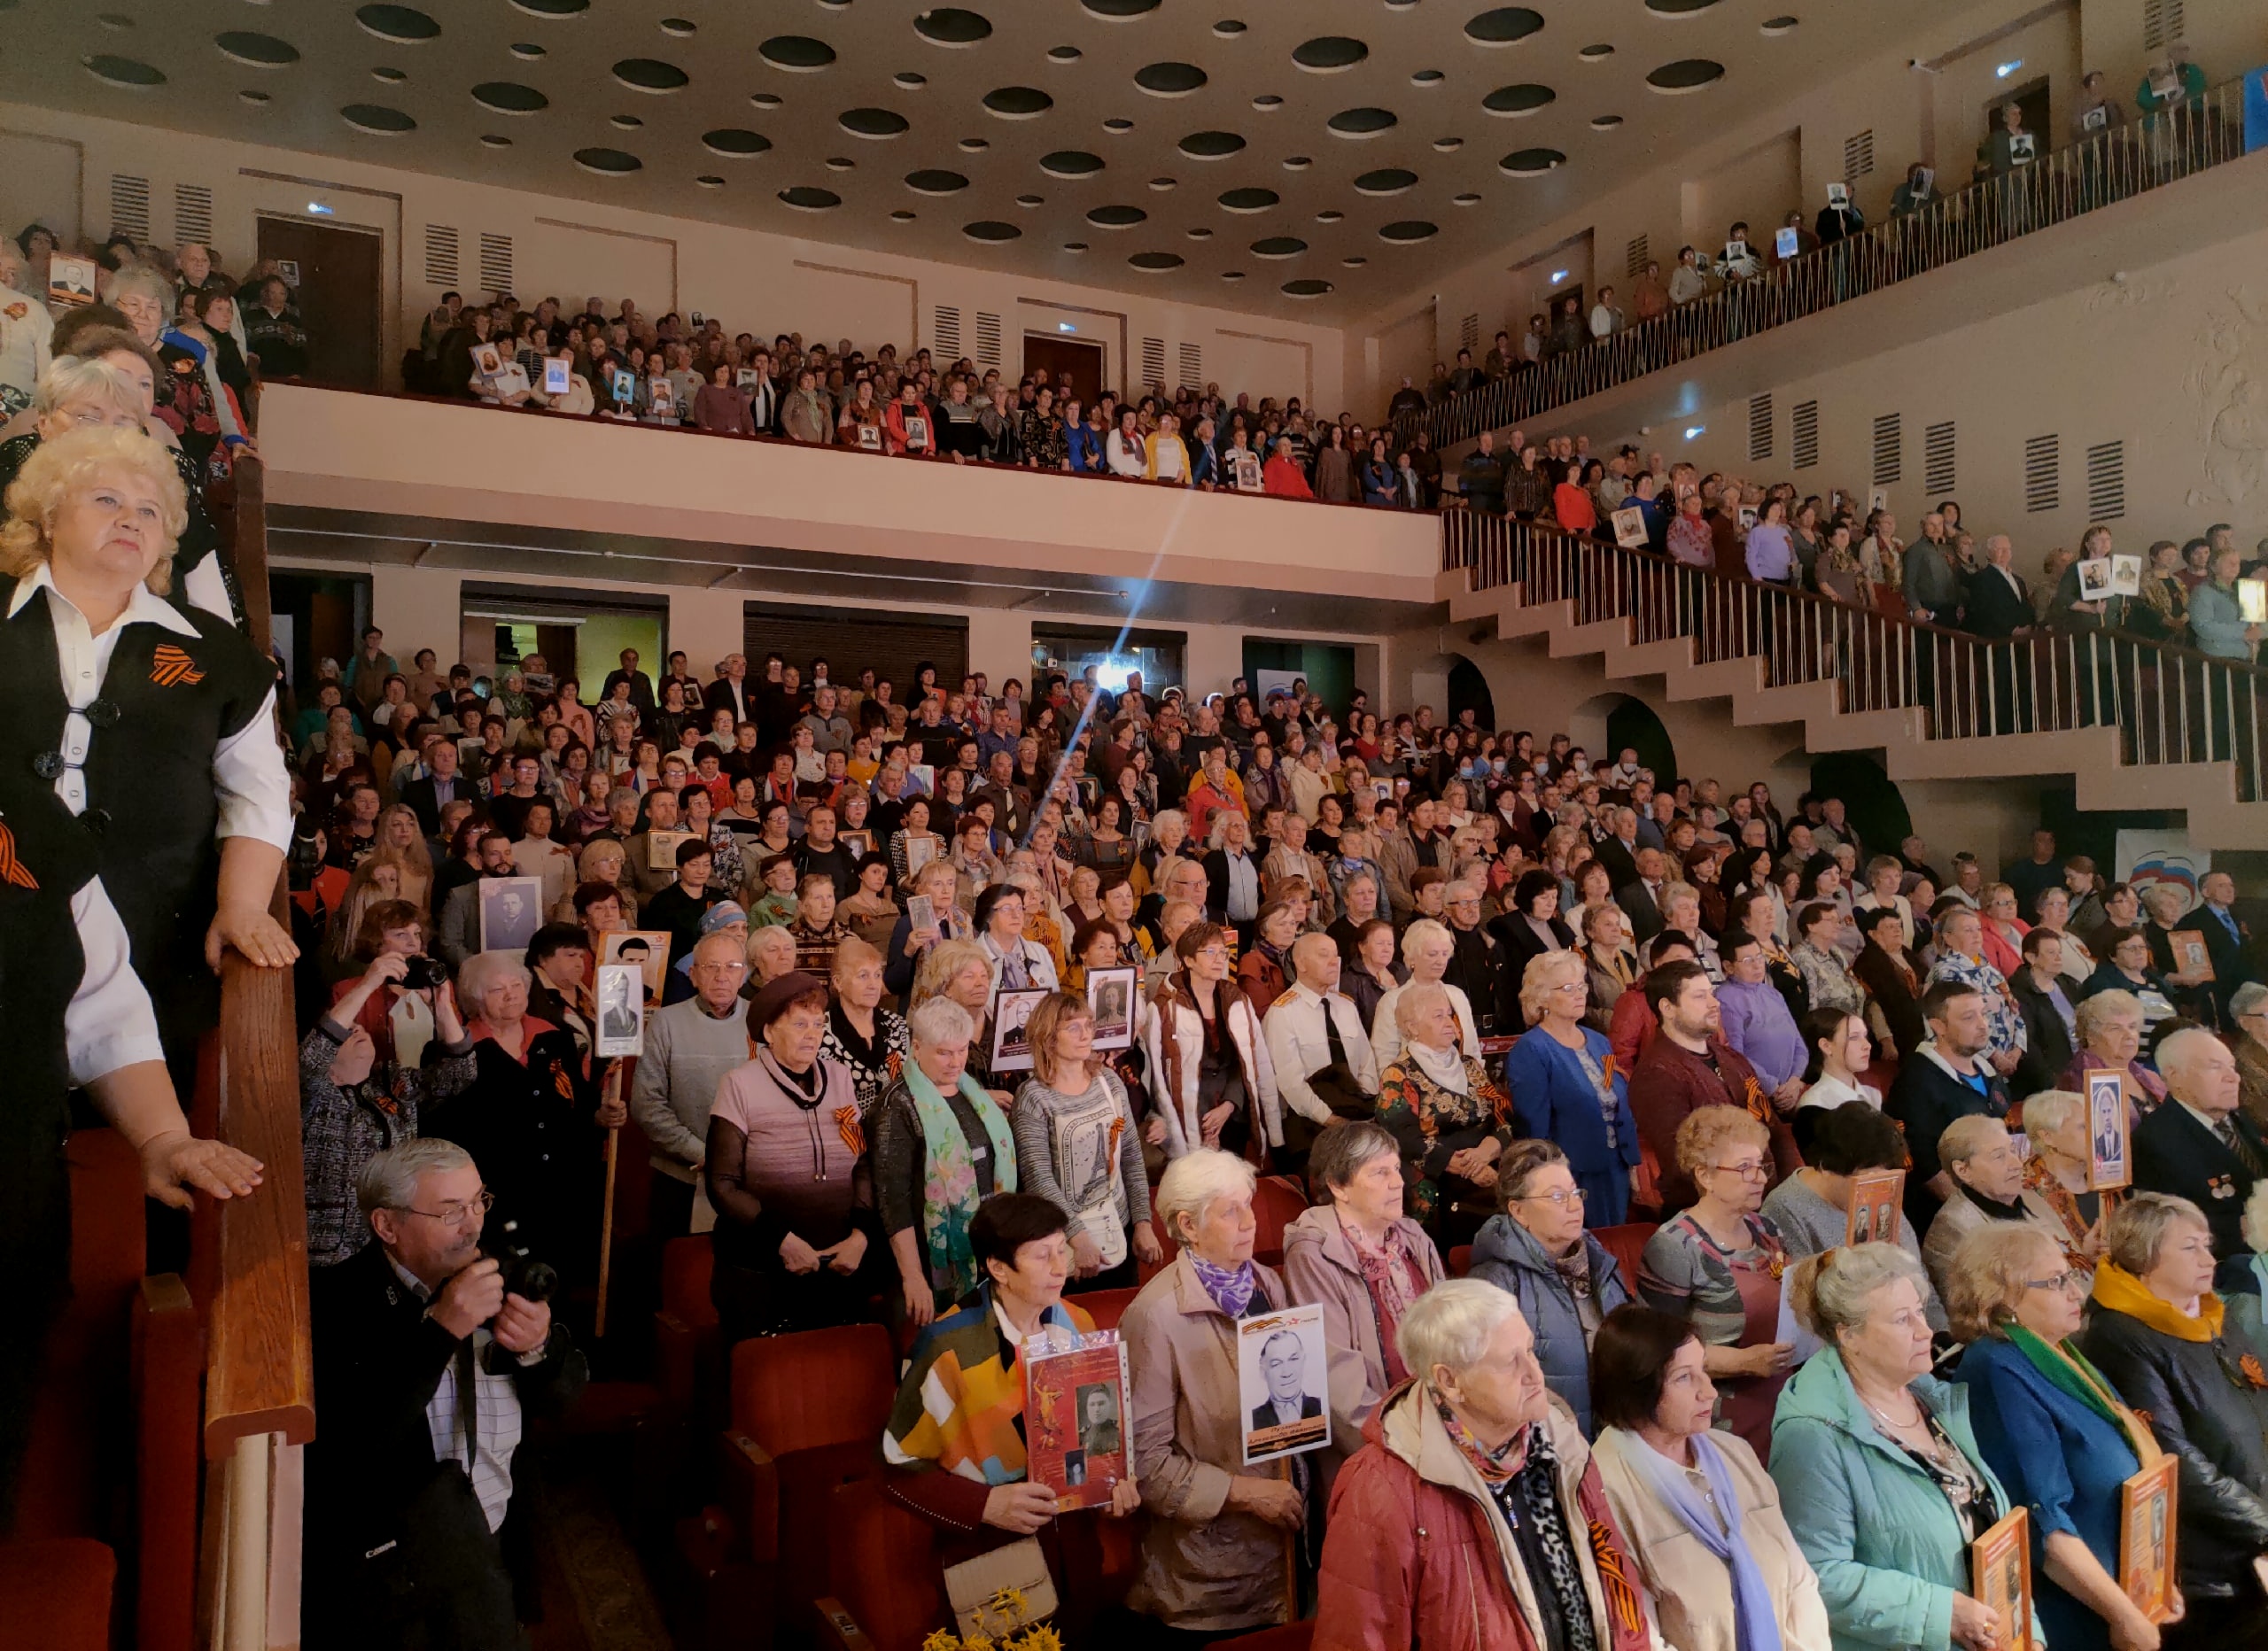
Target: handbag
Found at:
973, 1585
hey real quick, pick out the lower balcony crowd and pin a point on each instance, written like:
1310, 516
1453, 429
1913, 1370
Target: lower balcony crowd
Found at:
1519, 1083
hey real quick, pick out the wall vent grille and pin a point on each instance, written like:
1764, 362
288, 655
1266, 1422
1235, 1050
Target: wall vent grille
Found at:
1760, 427
1939, 459
1636, 257
1858, 155
1153, 363
2161, 23
129, 207
193, 214
496, 262
988, 339
1468, 333
2107, 481
948, 334
2043, 473
1192, 365
1889, 443
440, 256
1803, 434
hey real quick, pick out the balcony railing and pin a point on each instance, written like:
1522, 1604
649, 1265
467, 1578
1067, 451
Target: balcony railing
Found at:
2105, 168
2169, 704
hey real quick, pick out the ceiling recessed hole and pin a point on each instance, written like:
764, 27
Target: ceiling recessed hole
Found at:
1017, 103
1297, 162
1525, 98
1597, 53
496, 140
1266, 101
1155, 262
527, 49
908, 82
1064, 54
1687, 74
1363, 122
840, 163
1329, 215
810, 198
1170, 79
1408, 230
681, 28
798, 54
651, 74
1117, 124
1308, 288
1449, 145
990, 229
254, 98
1201, 233
1278, 246
123, 71
1355, 262
553, 8
509, 97
1229, 28
1249, 199
1074, 246
1531, 163
1605, 122
626, 122
609, 162
1327, 54
1778, 25
1466, 199
1070, 163
764, 100
108, 20
710, 181
1678, 8
976, 145
736, 141
1502, 26
1116, 217
1119, 11
936, 181
1211, 146
378, 120
1031, 200
901, 216
389, 76
398, 22
1385, 181
874, 123
1427, 77
1162, 184
952, 26
261, 52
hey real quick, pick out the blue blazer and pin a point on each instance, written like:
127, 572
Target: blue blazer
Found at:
1554, 1100
2061, 1459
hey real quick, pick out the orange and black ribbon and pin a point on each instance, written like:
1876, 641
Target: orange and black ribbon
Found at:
171, 667
13, 872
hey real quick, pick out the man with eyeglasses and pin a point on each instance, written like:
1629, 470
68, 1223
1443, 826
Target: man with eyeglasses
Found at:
689, 1047
428, 1368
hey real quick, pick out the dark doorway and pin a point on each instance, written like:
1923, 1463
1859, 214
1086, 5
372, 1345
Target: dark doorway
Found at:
2031, 98
1869, 795
1067, 360
1632, 725
340, 295
1469, 692
316, 616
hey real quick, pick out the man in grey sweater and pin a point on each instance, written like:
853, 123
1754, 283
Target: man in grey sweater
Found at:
690, 1047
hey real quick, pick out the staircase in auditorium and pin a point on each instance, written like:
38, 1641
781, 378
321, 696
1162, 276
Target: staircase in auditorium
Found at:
2138, 725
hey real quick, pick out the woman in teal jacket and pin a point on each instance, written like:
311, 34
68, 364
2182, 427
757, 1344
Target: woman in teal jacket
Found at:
1877, 1469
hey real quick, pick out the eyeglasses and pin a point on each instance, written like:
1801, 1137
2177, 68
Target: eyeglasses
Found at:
1759, 1171
453, 1214
2063, 1280
1572, 1195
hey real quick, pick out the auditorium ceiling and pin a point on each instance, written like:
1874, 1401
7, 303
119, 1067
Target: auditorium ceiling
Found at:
1317, 157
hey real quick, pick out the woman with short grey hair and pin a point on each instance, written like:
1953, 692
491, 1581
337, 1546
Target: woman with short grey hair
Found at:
1987, 1172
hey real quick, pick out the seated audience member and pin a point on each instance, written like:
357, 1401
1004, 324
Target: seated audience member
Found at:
795, 1218
413, 1533
2126, 967
1079, 1142
1948, 1078
1213, 1553
2248, 1017
1452, 1120
1718, 1264
357, 1098
1689, 1066
1893, 977
2051, 1427
1987, 1175
1811, 1208
2200, 1146
1212, 1082
1700, 1517
1357, 1254
2158, 1334
691, 1047
1564, 1279
1565, 1086
2109, 1029
1427, 949
1879, 1472
1474, 1514
2044, 998
1840, 1049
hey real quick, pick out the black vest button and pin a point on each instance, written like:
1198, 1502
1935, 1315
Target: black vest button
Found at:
48, 765
96, 821
102, 713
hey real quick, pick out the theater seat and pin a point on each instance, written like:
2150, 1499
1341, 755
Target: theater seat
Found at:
1626, 1243
687, 1364
1646, 1195
884, 1581
1277, 1202
1106, 1307
1290, 1637
58, 1595
1460, 1259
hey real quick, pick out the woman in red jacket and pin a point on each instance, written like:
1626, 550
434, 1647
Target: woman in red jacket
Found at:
1472, 1514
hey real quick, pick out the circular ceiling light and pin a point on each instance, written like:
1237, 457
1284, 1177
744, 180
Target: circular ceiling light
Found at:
952, 26
1153, 263
1531, 163
1017, 103
1116, 217
651, 74
611, 163
1170, 79
1278, 246
990, 229
1328, 54
1064, 54
1687, 74
378, 120
261, 52
1211, 146
873, 123
1513, 101
509, 97
1385, 181
1408, 230
1249, 201
1502, 26
1365, 123
1308, 288
403, 23
735, 140
909, 81
798, 54
1120, 10
936, 181
810, 198
1070, 163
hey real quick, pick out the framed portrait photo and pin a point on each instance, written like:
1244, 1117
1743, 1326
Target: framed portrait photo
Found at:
511, 910
2147, 1537
1630, 527
1283, 1395
1871, 1217
1999, 1563
1110, 995
647, 950
2107, 1153
620, 991
1011, 1029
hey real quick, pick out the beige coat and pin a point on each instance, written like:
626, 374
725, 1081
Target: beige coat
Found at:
1319, 1265
1202, 1567
1691, 1589
1958, 1217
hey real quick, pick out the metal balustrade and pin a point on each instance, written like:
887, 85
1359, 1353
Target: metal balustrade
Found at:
2169, 704
2068, 182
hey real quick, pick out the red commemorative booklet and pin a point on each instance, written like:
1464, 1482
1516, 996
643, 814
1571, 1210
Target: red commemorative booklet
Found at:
1074, 1419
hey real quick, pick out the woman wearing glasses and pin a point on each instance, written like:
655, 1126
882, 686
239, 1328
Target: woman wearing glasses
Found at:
1565, 1086
1564, 1279
2051, 1427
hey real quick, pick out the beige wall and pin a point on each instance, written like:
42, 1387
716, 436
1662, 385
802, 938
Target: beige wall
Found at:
59, 166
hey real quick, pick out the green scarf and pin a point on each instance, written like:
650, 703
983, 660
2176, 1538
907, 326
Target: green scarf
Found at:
2068, 1371
949, 1178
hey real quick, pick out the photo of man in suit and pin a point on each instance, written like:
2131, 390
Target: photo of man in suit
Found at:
1283, 1366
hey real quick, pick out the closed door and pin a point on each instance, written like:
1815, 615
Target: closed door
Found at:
340, 295
1067, 360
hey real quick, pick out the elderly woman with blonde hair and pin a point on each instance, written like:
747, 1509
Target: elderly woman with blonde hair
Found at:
1565, 1086
168, 750
1215, 1552
1428, 951
1987, 1172
2108, 1028
2059, 1169
2051, 1426
1452, 1120
602, 860
962, 970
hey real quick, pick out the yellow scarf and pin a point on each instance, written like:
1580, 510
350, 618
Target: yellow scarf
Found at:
2117, 1289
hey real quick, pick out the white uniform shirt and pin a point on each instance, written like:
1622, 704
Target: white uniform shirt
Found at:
1300, 1047
109, 1022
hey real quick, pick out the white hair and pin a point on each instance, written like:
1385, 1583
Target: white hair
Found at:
1451, 1325
938, 1020
72, 379
1193, 1181
388, 1180
1423, 933
1834, 1291
2179, 1051
478, 974
2051, 1111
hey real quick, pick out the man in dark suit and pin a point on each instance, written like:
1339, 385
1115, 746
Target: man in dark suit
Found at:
642, 685
732, 687
2198, 1145
1997, 605
1618, 850
1948, 1077
1641, 897
435, 789
1282, 1364
416, 1337
2228, 943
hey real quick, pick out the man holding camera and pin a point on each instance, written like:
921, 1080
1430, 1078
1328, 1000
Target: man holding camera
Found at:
427, 1360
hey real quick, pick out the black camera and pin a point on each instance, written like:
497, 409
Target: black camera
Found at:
423, 974
523, 1276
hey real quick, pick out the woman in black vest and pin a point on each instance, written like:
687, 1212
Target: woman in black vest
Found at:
155, 726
